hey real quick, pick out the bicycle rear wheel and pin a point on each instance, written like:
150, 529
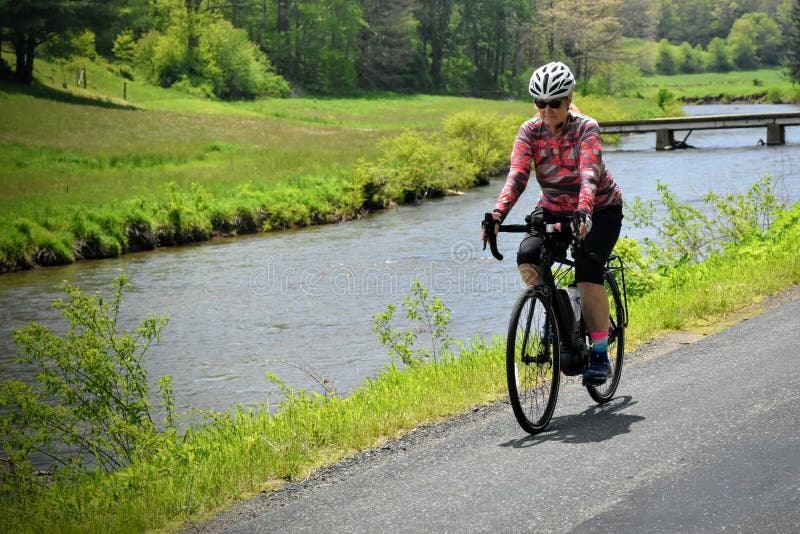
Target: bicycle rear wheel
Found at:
616, 343
532, 360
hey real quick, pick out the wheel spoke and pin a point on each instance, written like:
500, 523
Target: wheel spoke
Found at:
533, 378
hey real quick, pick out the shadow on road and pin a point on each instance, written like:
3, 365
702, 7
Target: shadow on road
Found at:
596, 423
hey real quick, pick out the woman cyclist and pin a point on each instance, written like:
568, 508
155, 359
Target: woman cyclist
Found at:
564, 149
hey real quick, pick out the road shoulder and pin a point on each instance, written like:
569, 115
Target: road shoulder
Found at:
429, 435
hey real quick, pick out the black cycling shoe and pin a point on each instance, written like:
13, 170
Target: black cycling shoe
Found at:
598, 371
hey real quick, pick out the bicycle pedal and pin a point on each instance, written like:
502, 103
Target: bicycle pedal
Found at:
594, 382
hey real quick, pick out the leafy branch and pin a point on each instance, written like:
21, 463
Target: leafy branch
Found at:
90, 399
431, 315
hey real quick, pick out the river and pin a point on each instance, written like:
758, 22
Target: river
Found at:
308, 296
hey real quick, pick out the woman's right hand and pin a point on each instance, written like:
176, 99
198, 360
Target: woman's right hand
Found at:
496, 228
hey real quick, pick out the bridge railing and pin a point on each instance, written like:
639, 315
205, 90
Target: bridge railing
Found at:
665, 128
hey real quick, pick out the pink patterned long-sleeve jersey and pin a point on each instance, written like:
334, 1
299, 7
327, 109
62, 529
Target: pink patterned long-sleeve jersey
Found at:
569, 168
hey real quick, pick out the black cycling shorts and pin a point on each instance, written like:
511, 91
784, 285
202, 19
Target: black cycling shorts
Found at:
595, 248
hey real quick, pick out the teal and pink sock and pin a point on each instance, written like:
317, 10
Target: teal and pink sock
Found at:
599, 342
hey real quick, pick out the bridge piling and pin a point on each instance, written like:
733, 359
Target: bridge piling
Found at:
776, 134
665, 139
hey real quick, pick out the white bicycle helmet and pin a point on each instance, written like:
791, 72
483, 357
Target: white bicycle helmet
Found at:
553, 80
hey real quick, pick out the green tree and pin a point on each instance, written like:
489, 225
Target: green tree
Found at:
718, 57
668, 21
691, 59
743, 52
666, 63
726, 12
29, 23
759, 32
638, 18
388, 49
233, 65
134, 15
124, 47
687, 20
315, 43
435, 35
486, 32
203, 51
793, 45
585, 33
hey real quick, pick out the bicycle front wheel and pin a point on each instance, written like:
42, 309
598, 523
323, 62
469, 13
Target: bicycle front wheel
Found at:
532, 360
616, 343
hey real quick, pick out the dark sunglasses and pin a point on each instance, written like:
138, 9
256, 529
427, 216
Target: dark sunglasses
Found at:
554, 104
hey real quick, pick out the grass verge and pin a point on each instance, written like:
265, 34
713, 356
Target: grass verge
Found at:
238, 455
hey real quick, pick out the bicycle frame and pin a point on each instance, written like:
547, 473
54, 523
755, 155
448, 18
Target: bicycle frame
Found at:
548, 284
562, 347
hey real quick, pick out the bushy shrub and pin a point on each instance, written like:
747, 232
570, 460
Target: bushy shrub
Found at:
413, 166
457, 70
691, 60
616, 78
125, 46
224, 63
91, 394
665, 99
430, 317
666, 63
482, 139
235, 66
691, 235
329, 71
71, 45
718, 58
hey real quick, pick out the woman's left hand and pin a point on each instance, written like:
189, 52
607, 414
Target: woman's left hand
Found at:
584, 223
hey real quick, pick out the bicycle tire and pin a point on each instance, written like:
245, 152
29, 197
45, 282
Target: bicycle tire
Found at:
616, 343
533, 361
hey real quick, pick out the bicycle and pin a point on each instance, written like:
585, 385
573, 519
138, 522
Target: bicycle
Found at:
544, 338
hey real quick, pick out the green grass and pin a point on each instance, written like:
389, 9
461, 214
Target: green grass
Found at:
251, 451
765, 85
381, 111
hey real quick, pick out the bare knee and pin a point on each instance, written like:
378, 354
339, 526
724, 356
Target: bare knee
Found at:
529, 273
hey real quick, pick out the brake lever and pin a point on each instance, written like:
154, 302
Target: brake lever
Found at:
489, 235
576, 238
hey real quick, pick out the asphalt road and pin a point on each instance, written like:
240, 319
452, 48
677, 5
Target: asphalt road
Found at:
705, 438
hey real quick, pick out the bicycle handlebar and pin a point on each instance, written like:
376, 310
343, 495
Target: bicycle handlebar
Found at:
538, 227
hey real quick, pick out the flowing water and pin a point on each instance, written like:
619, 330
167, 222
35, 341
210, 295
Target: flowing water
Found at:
239, 306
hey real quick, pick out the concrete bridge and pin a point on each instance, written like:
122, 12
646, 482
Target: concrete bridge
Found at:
665, 128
